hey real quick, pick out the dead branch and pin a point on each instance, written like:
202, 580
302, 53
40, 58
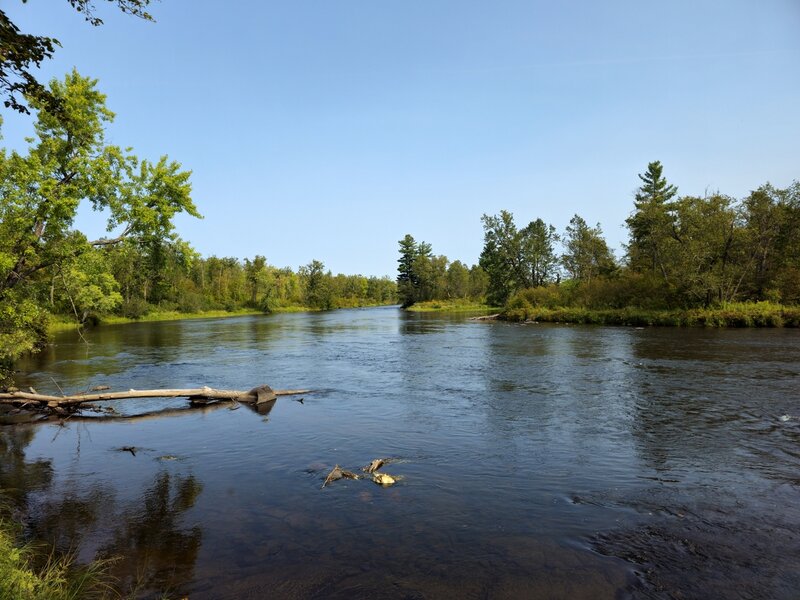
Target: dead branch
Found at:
258, 395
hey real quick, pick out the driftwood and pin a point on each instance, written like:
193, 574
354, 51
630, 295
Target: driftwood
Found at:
339, 473
374, 465
258, 395
35, 415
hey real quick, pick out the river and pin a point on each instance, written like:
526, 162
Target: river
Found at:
535, 461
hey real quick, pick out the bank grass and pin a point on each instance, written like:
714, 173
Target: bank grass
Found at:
452, 306
24, 575
60, 323
174, 315
738, 314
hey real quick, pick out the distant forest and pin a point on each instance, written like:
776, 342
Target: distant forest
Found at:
48, 268
683, 252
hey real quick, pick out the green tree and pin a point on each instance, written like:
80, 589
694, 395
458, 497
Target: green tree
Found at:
317, 285
478, 282
515, 259
587, 255
711, 258
416, 273
500, 256
87, 286
407, 281
651, 222
539, 262
256, 274
67, 162
457, 280
21, 52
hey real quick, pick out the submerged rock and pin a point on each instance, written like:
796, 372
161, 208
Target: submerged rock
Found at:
338, 473
383, 479
374, 465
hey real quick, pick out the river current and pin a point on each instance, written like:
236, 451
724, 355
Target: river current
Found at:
534, 461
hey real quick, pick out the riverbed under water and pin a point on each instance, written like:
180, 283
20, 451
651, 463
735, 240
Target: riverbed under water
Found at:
536, 461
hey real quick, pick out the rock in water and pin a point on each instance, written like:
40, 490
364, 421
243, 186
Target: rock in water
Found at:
374, 465
263, 394
383, 479
338, 473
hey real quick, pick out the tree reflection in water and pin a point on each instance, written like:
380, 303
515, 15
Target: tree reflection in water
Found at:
151, 549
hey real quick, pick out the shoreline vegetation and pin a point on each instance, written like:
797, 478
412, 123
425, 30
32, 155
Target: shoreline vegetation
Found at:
453, 306
30, 572
59, 323
690, 261
733, 315
51, 274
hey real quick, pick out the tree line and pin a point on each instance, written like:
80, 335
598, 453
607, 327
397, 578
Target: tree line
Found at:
423, 276
682, 252
172, 276
47, 267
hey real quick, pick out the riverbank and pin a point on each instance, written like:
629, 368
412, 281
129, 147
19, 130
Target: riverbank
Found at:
743, 314
464, 306
60, 323
29, 575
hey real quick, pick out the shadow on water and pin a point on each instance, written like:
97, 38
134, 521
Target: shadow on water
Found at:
150, 547
20, 478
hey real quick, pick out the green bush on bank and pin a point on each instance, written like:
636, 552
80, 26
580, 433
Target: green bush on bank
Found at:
520, 308
458, 305
56, 579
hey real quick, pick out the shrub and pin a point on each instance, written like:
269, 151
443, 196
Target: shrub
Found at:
135, 308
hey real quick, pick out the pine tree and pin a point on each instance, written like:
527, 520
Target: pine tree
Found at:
650, 224
406, 279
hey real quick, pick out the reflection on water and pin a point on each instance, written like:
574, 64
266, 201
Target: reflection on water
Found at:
154, 550
537, 461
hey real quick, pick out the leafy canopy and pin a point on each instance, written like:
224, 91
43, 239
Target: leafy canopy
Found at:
20, 53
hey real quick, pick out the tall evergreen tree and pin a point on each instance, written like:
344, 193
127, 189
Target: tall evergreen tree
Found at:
407, 281
651, 223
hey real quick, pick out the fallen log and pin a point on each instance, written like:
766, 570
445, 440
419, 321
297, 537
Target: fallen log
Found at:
258, 395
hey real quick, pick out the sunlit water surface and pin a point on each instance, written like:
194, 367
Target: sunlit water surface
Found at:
536, 461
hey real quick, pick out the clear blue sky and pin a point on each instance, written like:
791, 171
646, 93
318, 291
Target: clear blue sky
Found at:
330, 129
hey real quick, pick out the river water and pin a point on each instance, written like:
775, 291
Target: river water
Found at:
535, 461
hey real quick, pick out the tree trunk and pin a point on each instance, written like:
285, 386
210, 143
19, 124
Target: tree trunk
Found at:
258, 395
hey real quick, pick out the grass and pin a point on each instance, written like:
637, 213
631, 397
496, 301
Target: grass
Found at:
451, 306
60, 323
740, 314
174, 315
57, 579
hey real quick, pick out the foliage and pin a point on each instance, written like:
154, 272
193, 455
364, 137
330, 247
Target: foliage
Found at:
457, 305
43, 261
317, 292
20, 53
423, 277
688, 261
586, 255
515, 259
56, 579
651, 222
760, 314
